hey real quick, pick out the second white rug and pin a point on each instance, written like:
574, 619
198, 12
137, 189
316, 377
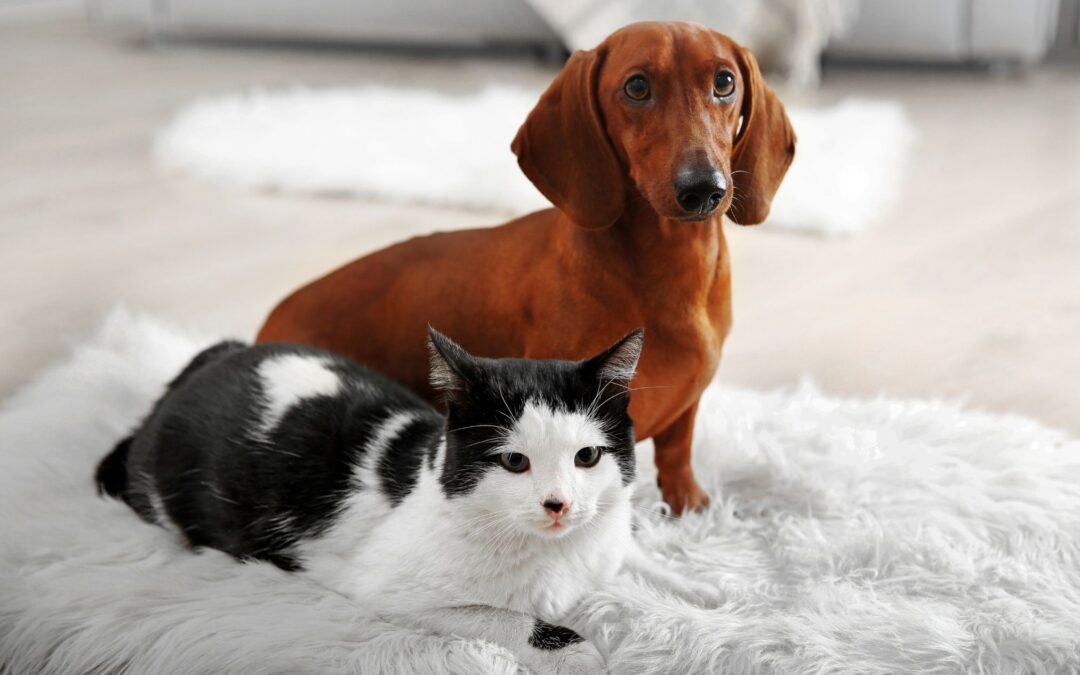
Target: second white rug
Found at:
418, 146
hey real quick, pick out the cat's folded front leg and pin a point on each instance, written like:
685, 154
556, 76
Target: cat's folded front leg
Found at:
539, 646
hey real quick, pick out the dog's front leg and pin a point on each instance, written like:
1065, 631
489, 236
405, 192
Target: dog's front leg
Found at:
674, 473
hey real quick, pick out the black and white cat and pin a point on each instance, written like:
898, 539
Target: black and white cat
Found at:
487, 523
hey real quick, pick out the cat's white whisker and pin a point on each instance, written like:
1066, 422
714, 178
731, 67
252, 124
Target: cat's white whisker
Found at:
477, 426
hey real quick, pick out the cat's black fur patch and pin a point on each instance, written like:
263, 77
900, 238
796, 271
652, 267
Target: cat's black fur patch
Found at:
400, 466
228, 486
549, 636
206, 357
112, 472
111, 476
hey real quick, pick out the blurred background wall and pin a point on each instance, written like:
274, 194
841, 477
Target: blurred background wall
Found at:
789, 35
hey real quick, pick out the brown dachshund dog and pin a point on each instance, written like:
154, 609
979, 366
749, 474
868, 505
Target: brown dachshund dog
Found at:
641, 144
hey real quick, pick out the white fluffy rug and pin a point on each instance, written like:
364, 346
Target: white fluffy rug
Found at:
857, 536
419, 146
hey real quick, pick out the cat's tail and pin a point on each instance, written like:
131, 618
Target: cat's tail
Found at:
111, 476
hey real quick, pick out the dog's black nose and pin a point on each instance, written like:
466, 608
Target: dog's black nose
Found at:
700, 192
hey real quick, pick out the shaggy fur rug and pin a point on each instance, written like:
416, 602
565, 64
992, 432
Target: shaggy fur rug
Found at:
857, 536
420, 146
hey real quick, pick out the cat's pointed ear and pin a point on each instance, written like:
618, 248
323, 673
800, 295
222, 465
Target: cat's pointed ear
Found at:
451, 366
619, 362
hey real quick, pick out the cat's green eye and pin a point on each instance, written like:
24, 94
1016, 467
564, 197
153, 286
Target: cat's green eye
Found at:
587, 457
514, 462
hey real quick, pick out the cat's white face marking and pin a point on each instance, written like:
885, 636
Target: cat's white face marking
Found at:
290, 378
551, 439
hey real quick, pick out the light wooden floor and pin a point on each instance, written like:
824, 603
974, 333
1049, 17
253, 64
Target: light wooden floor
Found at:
972, 290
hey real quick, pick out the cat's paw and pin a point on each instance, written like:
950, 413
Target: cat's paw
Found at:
559, 650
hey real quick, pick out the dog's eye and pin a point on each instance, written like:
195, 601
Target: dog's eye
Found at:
514, 462
587, 457
637, 88
723, 84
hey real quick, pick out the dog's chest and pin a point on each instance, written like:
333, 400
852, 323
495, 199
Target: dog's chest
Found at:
679, 361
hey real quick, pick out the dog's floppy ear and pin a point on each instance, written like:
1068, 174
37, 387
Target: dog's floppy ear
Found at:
564, 149
764, 148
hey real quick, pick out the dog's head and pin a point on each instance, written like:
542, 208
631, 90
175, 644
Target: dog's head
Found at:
675, 111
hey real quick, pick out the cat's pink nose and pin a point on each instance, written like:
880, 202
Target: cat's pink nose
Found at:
556, 508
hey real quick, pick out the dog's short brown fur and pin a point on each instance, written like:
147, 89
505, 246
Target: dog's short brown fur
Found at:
618, 251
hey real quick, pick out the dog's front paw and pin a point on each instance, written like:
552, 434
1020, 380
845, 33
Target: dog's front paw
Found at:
557, 649
682, 493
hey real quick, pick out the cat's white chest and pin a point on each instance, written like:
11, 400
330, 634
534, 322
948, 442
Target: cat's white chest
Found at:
441, 566
550, 578
555, 592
